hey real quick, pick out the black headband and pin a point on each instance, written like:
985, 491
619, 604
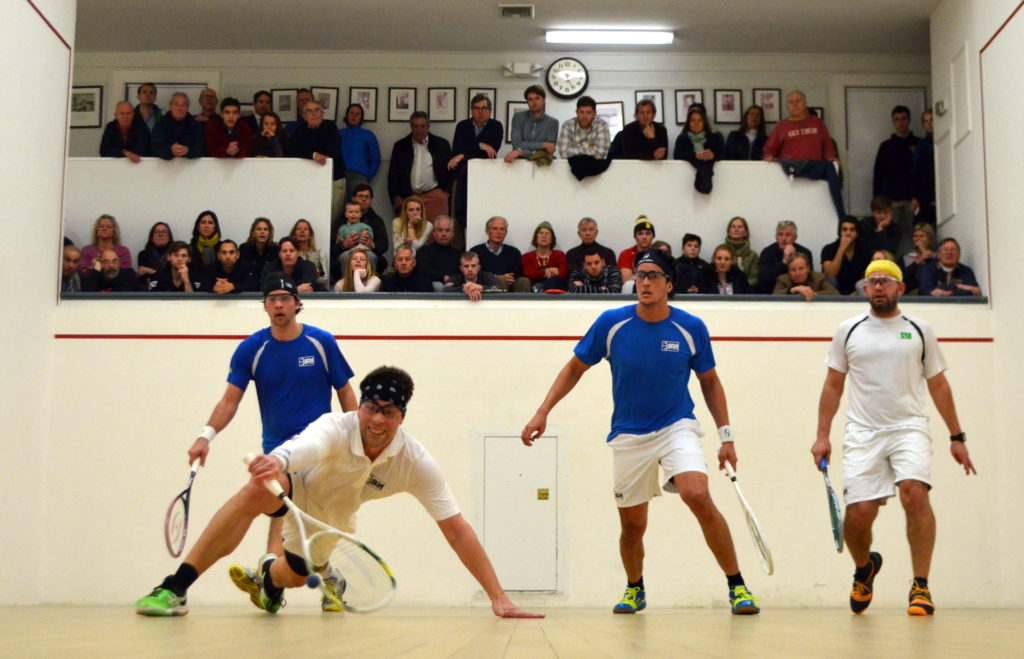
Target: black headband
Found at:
387, 389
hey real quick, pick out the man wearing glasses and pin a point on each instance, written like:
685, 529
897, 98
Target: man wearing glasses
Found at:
318, 140
477, 137
890, 358
652, 347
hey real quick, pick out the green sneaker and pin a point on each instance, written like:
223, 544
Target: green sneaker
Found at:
633, 600
744, 603
334, 588
161, 602
251, 581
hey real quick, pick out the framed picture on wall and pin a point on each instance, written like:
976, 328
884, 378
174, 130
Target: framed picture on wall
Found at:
284, 104
327, 97
817, 110
684, 99
441, 103
367, 98
401, 103
770, 101
728, 106
86, 107
489, 92
512, 108
614, 114
658, 97
245, 109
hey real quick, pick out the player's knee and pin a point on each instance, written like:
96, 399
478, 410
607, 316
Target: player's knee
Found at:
633, 529
256, 499
695, 495
913, 494
860, 515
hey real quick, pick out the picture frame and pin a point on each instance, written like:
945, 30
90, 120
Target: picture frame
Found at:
284, 103
441, 103
728, 106
367, 98
512, 108
770, 101
86, 106
658, 97
489, 92
401, 103
614, 114
684, 99
818, 110
327, 97
245, 109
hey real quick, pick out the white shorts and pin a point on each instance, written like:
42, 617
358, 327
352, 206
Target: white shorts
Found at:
676, 448
321, 549
875, 460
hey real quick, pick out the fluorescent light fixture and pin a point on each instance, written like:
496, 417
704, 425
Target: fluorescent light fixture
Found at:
631, 37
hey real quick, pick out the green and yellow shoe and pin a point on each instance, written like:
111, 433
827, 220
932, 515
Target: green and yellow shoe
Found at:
743, 602
161, 602
251, 582
633, 600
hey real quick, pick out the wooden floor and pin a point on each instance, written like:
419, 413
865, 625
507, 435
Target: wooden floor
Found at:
223, 632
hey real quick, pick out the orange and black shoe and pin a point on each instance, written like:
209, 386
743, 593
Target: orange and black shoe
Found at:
860, 595
920, 600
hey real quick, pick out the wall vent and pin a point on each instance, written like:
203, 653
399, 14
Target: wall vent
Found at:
516, 11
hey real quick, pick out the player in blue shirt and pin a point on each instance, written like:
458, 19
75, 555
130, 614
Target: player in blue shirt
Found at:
652, 347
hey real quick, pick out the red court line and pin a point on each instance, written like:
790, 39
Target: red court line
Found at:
49, 24
458, 337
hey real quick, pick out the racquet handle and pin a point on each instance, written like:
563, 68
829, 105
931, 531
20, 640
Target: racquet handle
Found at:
270, 484
194, 467
823, 465
729, 472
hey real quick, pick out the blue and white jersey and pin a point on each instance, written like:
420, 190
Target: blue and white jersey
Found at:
295, 379
651, 364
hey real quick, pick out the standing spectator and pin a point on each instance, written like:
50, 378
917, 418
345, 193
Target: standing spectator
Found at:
419, 166
259, 248
923, 240
644, 138
262, 103
70, 278
800, 280
747, 143
153, 256
208, 103
596, 276
478, 137
125, 136
946, 275
108, 276
405, 278
177, 276
699, 145
438, 260
359, 276
230, 274
411, 228
843, 261
178, 134
893, 165
305, 240
643, 234
147, 111
585, 140
690, 271
501, 259
318, 140
534, 132
106, 234
724, 277
272, 140
775, 258
800, 136
737, 236
205, 236
303, 96
922, 171
586, 229
359, 148
290, 265
226, 136
545, 266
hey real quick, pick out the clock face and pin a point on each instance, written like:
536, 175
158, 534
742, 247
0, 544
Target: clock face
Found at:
567, 77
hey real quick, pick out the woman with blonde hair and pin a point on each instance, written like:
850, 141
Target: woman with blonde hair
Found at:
105, 235
305, 240
737, 236
359, 276
411, 228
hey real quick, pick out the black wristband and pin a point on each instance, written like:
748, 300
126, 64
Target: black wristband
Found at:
959, 437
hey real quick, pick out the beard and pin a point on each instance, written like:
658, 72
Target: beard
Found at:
884, 306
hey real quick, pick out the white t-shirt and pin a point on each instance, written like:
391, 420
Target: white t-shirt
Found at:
332, 476
888, 361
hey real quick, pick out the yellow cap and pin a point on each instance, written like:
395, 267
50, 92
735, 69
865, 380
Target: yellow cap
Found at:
885, 266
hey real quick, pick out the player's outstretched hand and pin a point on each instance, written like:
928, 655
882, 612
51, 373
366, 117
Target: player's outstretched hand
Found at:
727, 454
959, 451
200, 449
534, 429
503, 607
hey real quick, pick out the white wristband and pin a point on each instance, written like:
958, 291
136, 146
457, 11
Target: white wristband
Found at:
725, 434
208, 433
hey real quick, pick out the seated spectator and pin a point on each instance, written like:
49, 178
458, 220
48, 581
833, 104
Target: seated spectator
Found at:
880, 255
501, 259
663, 246
108, 276
272, 140
701, 146
404, 278
534, 133
378, 244
259, 248
318, 140
586, 229
747, 143
737, 236
352, 235
359, 276
205, 236
725, 277
643, 234
125, 136
478, 137
178, 134
305, 239
843, 260
878, 231
438, 260
644, 138
208, 103
227, 137
545, 265
360, 149
289, 264
177, 276
411, 228
153, 256
690, 271
800, 280
946, 275
147, 111
105, 235
775, 258
800, 136
923, 240
230, 274
70, 278
596, 276
585, 140
472, 281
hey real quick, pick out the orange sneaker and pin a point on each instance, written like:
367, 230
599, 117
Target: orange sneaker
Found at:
920, 600
860, 595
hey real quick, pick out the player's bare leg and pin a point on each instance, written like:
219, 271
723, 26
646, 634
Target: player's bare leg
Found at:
693, 489
633, 522
275, 537
857, 524
920, 525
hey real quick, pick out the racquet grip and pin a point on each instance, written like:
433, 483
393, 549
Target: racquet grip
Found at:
270, 484
823, 464
194, 467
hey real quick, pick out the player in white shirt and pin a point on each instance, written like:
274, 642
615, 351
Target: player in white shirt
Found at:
892, 359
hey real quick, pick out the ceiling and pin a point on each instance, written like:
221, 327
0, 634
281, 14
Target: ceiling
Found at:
898, 27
